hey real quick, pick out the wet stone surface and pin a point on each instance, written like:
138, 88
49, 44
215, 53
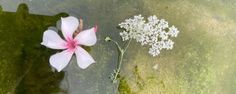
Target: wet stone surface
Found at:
201, 62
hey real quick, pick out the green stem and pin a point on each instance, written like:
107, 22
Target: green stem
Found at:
114, 80
122, 51
118, 46
127, 45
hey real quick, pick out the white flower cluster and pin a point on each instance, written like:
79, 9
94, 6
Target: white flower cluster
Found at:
155, 33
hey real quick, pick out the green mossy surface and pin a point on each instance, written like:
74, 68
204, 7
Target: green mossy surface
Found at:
24, 62
124, 87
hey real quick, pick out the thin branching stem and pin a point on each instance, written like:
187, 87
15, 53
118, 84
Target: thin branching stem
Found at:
126, 47
121, 56
114, 80
118, 46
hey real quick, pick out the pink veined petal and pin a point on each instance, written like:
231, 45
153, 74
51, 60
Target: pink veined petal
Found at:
87, 37
68, 26
52, 40
60, 60
83, 58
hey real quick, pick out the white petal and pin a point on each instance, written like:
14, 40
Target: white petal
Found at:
68, 26
52, 40
83, 58
60, 60
87, 37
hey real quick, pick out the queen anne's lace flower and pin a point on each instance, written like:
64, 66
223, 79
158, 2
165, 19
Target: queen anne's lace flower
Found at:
155, 33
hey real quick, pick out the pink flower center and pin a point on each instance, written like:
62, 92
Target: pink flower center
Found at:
71, 44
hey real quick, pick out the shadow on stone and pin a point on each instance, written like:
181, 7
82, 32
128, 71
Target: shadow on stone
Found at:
24, 62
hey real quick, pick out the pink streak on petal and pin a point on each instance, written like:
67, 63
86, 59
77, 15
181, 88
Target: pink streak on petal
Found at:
95, 28
71, 44
68, 26
87, 37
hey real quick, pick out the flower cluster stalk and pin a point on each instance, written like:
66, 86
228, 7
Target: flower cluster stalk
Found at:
121, 51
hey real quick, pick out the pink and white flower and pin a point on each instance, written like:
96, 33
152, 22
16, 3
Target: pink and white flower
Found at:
70, 44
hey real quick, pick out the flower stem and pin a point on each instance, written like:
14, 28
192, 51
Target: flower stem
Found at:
114, 80
121, 56
127, 45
